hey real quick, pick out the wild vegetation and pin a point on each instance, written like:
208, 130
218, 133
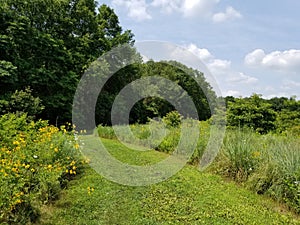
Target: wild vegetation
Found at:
45, 48
189, 197
267, 164
37, 160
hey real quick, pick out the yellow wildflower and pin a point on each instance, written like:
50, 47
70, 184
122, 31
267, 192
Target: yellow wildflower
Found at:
90, 190
256, 154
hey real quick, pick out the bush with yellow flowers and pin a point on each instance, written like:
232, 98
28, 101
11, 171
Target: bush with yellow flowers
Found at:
36, 161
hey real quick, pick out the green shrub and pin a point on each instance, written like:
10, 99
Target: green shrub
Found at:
172, 119
106, 132
253, 112
35, 161
22, 102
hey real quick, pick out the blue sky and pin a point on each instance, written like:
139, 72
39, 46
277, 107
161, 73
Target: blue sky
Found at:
248, 46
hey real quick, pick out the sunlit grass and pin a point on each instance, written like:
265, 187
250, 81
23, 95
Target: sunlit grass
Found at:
189, 197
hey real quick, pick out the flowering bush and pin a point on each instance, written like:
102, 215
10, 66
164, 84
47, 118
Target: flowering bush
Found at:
36, 160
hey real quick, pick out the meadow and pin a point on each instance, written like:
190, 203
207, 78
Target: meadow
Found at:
46, 180
266, 164
189, 197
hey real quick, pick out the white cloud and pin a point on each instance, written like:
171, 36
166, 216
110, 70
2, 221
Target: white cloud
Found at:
188, 8
241, 78
232, 93
255, 57
167, 6
140, 10
137, 9
191, 8
290, 85
202, 53
211, 62
229, 14
219, 65
277, 60
228, 78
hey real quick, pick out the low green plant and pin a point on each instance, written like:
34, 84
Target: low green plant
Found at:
35, 162
172, 119
170, 139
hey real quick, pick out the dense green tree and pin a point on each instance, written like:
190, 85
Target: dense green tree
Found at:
48, 44
288, 118
149, 106
253, 112
278, 103
191, 80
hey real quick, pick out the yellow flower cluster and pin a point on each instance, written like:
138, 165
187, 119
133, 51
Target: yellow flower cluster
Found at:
16, 199
46, 133
90, 190
72, 169
256, 154
46, 152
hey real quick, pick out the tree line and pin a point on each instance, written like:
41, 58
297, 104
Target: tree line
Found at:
47, 45
278, 114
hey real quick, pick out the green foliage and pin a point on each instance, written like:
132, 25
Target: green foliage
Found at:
189, 197
190, 80
165, 142
7, 69
279, 114
278, 173
267, 164
253, 112
23, 102
288, 119
240, 148
172, 119
35, 162
47, 45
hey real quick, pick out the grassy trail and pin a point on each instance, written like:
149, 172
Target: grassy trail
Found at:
189, 197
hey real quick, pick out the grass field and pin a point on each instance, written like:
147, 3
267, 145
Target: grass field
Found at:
189, 197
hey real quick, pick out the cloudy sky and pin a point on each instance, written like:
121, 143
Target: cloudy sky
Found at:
248, 46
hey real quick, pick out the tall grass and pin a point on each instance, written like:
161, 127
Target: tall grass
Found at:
156, 135
267, 164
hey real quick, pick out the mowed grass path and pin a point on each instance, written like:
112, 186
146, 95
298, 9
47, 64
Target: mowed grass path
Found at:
189, 197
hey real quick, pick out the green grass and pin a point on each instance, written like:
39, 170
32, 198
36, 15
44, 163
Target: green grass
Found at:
189, 197
267, 164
